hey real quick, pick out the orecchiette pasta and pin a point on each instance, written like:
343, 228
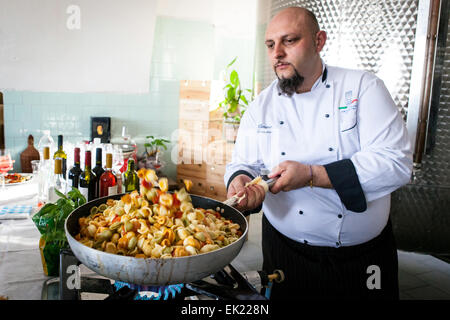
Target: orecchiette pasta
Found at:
155, 223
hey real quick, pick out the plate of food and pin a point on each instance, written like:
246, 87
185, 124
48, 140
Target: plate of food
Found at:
14, 179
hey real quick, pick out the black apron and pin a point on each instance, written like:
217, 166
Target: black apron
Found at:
365, 271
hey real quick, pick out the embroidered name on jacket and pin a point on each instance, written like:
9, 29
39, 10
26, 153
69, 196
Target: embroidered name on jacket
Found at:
264, 128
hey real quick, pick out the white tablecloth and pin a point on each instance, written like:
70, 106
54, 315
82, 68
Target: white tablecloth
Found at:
19, 194
21, 273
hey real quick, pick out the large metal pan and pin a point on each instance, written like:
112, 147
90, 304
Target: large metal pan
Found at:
155, 271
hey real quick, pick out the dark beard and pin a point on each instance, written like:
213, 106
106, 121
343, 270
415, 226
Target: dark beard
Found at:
289, 85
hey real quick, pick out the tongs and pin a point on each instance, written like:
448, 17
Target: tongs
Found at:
270, 181
234, 200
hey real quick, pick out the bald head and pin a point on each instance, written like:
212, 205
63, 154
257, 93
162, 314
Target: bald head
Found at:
302, 17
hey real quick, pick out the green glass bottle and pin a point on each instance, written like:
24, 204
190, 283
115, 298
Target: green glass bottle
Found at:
60, 154
130, 177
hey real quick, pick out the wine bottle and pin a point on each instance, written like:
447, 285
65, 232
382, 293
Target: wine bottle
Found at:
131, 179
108, 181
60, 154
98, 170
87, 179
74, 173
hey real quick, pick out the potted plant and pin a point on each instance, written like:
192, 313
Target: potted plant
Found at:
156, 145
235, 102
151, 157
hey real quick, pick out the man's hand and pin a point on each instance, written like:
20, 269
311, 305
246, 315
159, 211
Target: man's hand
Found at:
293, 175
254, 194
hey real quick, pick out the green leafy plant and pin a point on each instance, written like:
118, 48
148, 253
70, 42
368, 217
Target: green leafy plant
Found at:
50, 222
50, 219
235, 101
156, 144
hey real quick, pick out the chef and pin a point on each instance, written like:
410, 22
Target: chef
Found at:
338, 146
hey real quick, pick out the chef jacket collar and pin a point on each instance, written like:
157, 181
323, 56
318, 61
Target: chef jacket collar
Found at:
321, 79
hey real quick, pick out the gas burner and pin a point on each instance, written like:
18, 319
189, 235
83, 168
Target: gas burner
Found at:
170, 292
226, 284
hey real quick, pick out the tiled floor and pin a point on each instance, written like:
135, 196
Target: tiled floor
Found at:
421, 277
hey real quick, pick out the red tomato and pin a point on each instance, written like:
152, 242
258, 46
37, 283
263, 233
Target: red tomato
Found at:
156, 198
176, 202
178, 214
147, 185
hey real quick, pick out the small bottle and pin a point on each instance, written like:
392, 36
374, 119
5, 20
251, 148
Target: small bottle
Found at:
75, 172
60, 154
98, 169
58, 182
46, 141
108, 181
87, 179
131, 179
119, 176
44, 176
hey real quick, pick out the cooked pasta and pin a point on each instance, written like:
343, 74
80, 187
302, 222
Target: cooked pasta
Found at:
155, 224
258, 181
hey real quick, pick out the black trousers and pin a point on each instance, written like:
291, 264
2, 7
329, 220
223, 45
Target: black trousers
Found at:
365, 271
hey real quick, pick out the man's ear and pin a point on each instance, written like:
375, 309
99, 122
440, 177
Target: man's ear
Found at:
321, 38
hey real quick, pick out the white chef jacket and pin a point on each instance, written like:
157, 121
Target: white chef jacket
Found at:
348, 114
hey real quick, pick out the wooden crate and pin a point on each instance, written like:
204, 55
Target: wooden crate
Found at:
215, 172
216, 190
198, 185
202, 151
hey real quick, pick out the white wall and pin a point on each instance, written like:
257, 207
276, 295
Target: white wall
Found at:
186, 9
110, 52
236, 18
112, 49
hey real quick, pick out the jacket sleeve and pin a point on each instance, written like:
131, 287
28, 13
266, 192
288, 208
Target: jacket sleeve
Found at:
246, 157
384, 162
345, 181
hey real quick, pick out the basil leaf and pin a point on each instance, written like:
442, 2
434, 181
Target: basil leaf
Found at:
62, 195
234, 78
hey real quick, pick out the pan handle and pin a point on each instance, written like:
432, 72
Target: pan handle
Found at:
232, 201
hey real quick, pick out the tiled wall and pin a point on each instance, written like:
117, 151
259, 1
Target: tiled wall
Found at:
69, 114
